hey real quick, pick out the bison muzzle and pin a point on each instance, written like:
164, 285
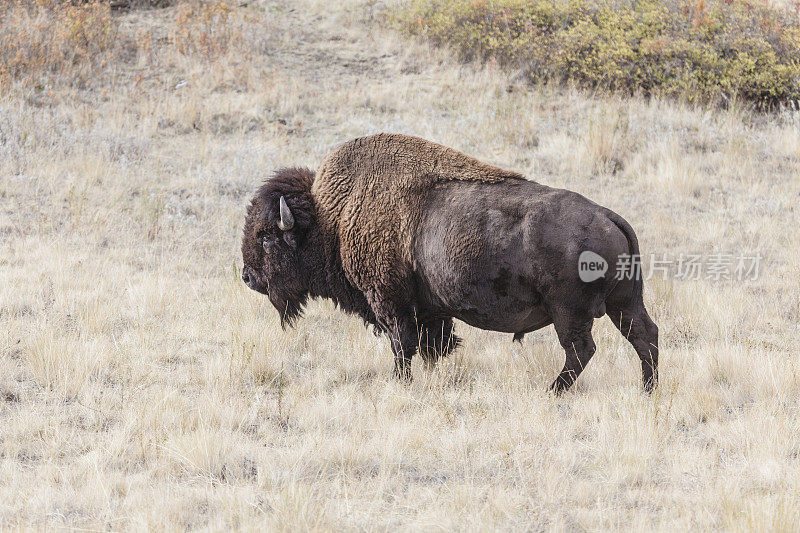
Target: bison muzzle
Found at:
409, 234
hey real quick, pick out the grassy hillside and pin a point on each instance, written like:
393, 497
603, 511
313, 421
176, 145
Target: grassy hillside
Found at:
142, 385
700, 50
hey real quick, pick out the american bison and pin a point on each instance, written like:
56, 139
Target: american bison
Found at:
409, 234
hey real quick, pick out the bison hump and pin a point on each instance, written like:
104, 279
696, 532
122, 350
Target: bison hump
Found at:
370, 191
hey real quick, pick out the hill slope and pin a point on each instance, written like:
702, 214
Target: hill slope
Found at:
143, 385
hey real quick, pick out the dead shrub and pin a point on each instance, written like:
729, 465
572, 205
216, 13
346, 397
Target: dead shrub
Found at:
204, 27
47, 37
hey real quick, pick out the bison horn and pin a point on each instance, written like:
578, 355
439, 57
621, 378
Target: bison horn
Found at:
287, 219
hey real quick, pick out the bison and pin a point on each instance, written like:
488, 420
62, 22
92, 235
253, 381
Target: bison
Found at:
409, 234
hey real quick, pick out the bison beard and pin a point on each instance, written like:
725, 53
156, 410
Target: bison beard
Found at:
409, 235
290, 309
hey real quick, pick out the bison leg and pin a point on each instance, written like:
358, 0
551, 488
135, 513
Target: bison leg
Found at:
436, 340
403, 336
400, 326
575, 336
635, 325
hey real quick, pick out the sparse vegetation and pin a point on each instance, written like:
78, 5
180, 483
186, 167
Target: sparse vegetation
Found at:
701, 50
204, 27
45, 42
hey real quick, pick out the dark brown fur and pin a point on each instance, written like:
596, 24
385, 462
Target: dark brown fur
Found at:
409, 234
306, 260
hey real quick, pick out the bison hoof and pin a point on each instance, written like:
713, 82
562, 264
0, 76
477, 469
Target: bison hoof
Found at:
558, 387
649, 385
403, 374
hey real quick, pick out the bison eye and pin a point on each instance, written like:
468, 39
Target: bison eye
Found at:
268, 240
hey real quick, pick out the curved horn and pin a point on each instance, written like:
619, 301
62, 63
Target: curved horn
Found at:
287, 219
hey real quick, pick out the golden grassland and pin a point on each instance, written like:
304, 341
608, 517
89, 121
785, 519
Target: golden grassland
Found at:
142, 385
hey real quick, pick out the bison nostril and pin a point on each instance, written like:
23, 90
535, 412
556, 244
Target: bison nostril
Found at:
246, 277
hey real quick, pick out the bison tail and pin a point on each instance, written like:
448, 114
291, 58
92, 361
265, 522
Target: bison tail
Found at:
633, 247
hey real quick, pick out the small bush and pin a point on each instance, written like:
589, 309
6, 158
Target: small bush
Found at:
54, 41
54, 37
703, 51
203, 27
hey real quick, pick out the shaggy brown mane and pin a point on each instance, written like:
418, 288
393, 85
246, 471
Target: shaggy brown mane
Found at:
321, 270
292, 182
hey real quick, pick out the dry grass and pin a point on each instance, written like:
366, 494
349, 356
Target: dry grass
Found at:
142, 385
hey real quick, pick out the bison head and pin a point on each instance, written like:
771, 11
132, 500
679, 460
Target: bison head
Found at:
278, 221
